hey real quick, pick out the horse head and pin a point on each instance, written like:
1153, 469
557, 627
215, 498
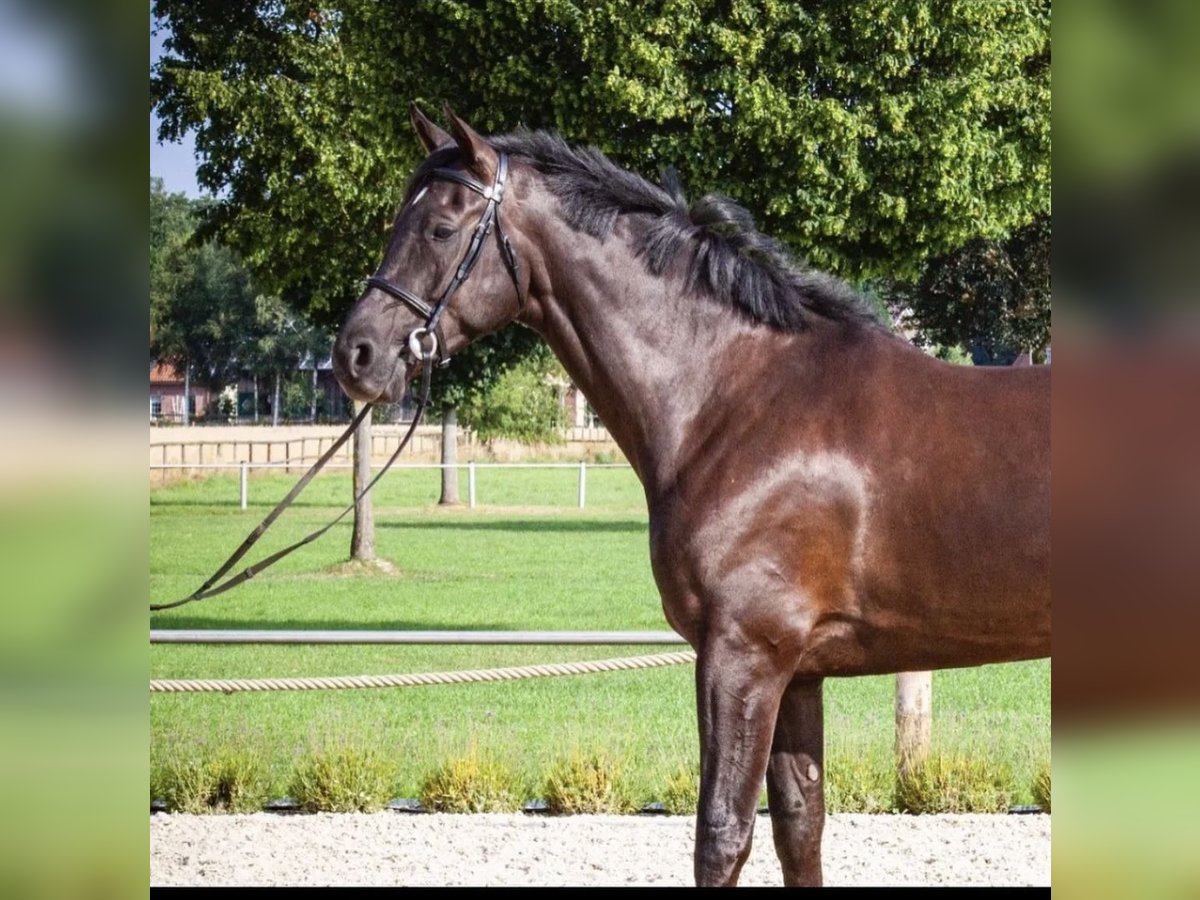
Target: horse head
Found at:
450, 273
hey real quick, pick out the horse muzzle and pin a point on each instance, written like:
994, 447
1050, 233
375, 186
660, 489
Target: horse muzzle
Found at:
369, 370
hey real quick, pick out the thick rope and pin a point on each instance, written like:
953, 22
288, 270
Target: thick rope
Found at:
344, 682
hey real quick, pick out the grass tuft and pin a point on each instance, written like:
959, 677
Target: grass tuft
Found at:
224, 781
1041, 787
860, 780
956, 783
681, 796
471, 784
586, 783
343, 779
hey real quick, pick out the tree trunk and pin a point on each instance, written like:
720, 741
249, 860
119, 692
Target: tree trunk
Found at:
255, 399
312, 406
275, 402
187, 393
362, 542
449, 457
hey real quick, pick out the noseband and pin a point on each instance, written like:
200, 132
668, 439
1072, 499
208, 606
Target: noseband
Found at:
432, 328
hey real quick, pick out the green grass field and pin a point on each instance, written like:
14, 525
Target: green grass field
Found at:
525, 560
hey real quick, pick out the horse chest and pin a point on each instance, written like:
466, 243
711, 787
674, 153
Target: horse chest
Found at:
776, 555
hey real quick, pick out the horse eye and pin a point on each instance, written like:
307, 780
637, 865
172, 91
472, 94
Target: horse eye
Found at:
443, 231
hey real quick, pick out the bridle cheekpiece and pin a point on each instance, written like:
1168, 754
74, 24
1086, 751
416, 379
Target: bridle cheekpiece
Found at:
431, 330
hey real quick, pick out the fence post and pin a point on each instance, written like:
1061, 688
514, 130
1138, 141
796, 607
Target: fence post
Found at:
914, 717
471, 485
582, 483
242, 481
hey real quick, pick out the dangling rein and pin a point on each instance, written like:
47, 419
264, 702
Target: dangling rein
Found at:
211, 588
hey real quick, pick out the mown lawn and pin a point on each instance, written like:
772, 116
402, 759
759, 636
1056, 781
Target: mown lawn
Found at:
527, 559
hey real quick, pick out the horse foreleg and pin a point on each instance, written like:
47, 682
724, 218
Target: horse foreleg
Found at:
795, 783
737, 696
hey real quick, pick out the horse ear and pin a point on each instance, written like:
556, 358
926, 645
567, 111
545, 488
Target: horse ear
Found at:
477, 153
430, 135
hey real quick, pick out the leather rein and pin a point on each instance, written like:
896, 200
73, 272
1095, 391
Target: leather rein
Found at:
422, 354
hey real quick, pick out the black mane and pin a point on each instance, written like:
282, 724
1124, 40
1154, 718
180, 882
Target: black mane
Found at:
731, 261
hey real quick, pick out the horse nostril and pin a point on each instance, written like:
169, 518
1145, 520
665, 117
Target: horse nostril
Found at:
362, 356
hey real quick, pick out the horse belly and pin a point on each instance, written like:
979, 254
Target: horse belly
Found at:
959, 592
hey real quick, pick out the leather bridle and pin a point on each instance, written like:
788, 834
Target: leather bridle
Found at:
432, 329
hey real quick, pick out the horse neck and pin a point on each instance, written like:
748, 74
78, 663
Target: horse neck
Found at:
647, 355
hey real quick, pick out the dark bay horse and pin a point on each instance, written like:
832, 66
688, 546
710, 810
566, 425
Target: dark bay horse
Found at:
824, 499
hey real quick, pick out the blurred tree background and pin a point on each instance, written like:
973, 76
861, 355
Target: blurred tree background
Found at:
211, 323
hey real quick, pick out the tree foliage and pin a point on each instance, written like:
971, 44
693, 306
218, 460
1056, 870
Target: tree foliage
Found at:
867, 135
172, 223
201, 300
989, 296
206, 312
522, 404
287, 135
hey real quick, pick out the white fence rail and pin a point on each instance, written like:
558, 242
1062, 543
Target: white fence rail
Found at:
244, 468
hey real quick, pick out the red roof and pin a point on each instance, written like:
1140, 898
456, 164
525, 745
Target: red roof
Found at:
164, 373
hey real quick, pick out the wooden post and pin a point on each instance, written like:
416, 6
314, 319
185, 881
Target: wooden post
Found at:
582, 483
470, 483
243, 485
914, 718
449, 495
362, 540
187, 392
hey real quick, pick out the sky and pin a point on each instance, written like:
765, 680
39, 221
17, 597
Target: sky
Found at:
175, 164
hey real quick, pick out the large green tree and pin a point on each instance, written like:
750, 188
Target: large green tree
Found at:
868, 135
172, 223
207, 317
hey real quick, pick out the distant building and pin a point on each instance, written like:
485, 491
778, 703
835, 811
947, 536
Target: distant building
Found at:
167, 396
324, 398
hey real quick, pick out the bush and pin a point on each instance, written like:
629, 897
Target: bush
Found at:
586, 784
344, 779
858, 781
522, 405
955, 783
233, 781
1041, 787
682, 794
471, 784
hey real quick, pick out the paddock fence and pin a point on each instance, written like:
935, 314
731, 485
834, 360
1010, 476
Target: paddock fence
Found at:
472, 468
195, 448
